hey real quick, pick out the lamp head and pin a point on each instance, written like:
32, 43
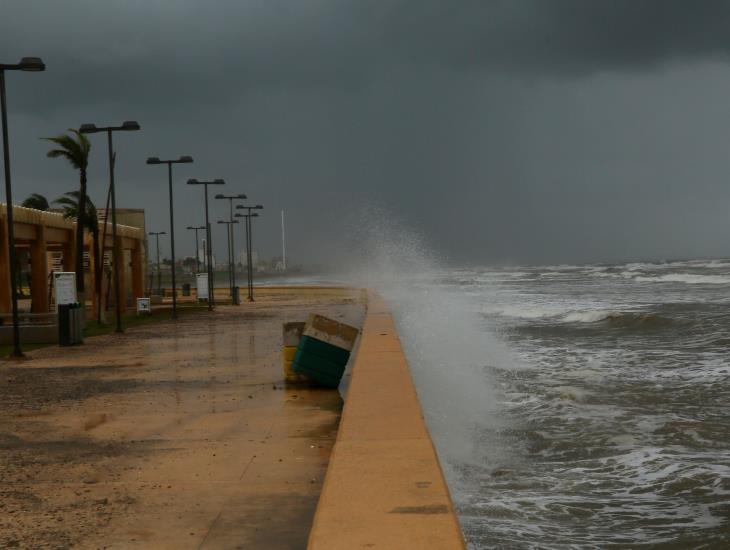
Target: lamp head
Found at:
193, 181
254, 215
154, 160
219, 196
219, 181
185, 159
259, 207
88, 128
32, 64
129, 126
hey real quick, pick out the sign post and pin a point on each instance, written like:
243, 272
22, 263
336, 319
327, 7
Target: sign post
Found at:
201, 280
64, 283
143, 306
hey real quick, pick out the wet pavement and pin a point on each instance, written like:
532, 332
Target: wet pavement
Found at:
172, 435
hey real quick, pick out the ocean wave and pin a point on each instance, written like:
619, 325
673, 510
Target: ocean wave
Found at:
518, 312
688, 278
619, 318
612, 318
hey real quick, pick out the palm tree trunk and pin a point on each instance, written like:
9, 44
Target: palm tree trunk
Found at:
103, 244
80, 217
99, 268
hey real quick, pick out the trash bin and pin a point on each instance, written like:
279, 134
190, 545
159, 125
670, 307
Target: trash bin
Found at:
236, 296
70, 329
64, 325
186, 289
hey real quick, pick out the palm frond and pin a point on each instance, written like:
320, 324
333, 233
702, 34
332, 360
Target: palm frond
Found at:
69, 203
36, 201
74, 147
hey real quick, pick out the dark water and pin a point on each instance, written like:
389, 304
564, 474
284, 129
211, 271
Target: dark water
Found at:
615, 408
609, 423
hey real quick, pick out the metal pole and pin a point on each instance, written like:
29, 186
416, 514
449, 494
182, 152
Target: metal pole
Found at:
197, 253
159, 273
233, 253
17, 352
228, 239
230, 281
233, 250
250, 257
115, 250
172, 244
209, 253
248, 261
283, 244
250, 238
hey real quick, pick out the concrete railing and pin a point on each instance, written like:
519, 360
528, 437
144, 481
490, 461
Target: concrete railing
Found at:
384, 486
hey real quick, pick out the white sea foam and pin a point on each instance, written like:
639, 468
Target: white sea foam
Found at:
522, 312
688, 278
591, 316
444, 338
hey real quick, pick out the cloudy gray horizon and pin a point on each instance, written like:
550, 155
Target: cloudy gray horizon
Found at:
499, 131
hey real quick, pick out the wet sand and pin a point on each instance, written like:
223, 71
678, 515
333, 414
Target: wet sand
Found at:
173, 435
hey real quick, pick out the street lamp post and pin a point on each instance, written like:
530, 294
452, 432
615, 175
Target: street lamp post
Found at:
232, 247
209, 244
229, 227
29, 64
249, 243
159, 272
197, 251
182, 160
127, 126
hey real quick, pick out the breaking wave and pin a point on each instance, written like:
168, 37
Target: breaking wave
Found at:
612, 317
688, 278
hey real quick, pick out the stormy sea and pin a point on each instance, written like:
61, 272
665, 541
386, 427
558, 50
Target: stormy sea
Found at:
578, 406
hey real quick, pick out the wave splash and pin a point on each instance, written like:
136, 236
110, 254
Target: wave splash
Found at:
443, 335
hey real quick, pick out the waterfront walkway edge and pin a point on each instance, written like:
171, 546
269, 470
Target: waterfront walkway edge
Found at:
384, 486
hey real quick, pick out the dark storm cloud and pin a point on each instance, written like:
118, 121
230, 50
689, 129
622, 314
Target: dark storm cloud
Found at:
482, 110
111, 51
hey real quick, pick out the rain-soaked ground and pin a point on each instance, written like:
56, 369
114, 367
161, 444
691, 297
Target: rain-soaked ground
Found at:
173, 435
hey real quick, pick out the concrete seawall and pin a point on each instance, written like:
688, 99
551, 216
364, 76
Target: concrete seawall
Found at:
384, 486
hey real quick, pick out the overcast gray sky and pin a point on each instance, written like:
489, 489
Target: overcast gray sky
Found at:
512, 130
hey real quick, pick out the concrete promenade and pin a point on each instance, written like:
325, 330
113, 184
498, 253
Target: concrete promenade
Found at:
384, 486
173, 435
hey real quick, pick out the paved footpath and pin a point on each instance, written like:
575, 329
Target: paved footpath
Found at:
174, 435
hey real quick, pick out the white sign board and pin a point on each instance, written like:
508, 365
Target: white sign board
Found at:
143, 305
201, 280
65, 285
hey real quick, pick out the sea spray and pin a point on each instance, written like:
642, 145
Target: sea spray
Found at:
444, 337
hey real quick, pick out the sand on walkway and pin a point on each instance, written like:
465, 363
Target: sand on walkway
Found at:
173, 435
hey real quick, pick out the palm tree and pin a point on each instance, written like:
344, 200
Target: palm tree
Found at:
69, 203
75, 147
37, 202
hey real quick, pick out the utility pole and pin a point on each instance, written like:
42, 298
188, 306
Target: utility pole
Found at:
283, 243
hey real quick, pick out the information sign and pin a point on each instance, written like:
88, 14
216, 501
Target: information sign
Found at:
202, 285
143, 305
64, 283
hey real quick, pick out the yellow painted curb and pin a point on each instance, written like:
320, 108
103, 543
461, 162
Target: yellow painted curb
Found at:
384, 486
